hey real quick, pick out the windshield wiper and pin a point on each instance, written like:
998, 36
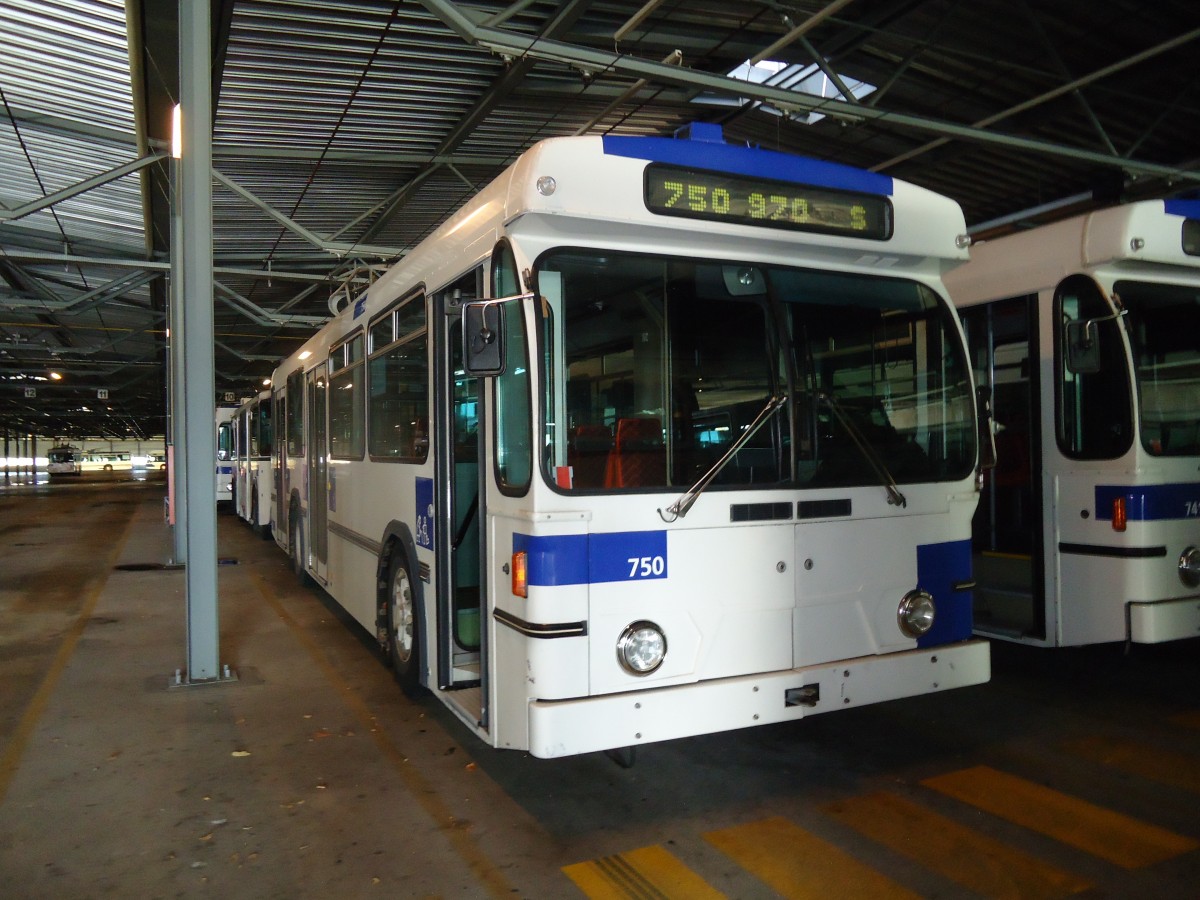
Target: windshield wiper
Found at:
874, 460
680, 507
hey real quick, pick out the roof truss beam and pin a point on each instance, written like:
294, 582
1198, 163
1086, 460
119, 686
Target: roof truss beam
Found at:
520, 46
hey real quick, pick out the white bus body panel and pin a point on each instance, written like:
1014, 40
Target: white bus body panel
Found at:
640, 717
793, 601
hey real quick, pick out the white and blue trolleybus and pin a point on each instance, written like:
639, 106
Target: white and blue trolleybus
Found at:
253, 485
226, 452
655, 437
1088, 333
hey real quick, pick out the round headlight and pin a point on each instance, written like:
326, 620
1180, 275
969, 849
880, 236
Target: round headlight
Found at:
1189, 566
915, 613
641, 648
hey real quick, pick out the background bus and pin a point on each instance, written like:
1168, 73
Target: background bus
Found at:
253, 487
718, 470
64, 460
226, 452
1088, 333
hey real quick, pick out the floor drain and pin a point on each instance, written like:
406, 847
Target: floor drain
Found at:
146, 567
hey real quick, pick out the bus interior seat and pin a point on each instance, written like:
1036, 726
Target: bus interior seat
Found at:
638, 457
587, 454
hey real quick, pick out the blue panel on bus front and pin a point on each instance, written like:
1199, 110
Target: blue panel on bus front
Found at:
749, 161
551, 561
1189, 209
939, 568
594, 558
1150, 502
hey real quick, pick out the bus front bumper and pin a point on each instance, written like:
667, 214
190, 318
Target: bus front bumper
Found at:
1164, 620
567, 727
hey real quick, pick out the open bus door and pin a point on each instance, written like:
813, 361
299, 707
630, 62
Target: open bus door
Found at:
460, 541
1007, 529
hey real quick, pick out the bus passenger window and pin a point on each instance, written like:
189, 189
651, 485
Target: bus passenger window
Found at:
398, 387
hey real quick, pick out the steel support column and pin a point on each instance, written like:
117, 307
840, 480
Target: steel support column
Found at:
196, 254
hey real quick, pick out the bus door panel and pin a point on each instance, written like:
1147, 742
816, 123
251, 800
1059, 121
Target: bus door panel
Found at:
1008, 526
1098, 582
318, 473
460, 631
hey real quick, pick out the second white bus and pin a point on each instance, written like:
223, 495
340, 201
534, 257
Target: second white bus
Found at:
253, 480
1088, 333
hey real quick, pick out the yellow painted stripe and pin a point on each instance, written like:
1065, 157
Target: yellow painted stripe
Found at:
418, 786
651, 873
966, 857
797, 864
1118, 838
1188, 719
10, 760
1176, 769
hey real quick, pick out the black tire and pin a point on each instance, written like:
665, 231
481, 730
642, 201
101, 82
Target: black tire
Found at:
264, 531
403, 645
296, 548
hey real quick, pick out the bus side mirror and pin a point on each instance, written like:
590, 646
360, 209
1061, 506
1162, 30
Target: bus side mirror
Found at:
987, 428
483, 339
1083, 347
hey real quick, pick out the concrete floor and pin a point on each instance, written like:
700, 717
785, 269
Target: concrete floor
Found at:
313, 776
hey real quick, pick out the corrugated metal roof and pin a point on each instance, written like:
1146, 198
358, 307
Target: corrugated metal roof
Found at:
367, 122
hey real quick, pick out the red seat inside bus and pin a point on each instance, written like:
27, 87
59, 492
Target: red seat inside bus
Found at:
638, 457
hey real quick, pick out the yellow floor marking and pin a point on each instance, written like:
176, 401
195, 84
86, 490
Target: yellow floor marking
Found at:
1164, 766
1118, 838
966, 857
797, 864
10, 761
651, 873
418, 786
1188, 719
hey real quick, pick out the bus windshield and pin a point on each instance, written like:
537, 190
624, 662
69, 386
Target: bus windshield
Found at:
655, 366
1164, 329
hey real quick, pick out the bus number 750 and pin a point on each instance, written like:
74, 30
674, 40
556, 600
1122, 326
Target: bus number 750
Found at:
646, 566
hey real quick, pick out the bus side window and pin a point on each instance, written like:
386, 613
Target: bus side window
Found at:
514, 404
514, 424
225, 446
1094, 407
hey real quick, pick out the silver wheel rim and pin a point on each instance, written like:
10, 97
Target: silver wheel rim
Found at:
402, 615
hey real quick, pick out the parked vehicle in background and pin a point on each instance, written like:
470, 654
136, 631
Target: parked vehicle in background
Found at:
64, 460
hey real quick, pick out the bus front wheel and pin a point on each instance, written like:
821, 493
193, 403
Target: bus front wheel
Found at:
402, 624
296, 548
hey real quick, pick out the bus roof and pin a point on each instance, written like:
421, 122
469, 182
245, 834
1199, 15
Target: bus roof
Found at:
1149, 233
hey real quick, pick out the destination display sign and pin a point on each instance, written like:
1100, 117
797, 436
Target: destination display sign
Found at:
743, 200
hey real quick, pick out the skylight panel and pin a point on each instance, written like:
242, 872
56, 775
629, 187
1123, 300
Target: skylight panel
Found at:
807, 80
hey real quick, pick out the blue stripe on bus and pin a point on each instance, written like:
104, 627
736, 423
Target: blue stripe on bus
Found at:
1189, 209
749, 161
1150, 502
939, 568
593, 558
224, 470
